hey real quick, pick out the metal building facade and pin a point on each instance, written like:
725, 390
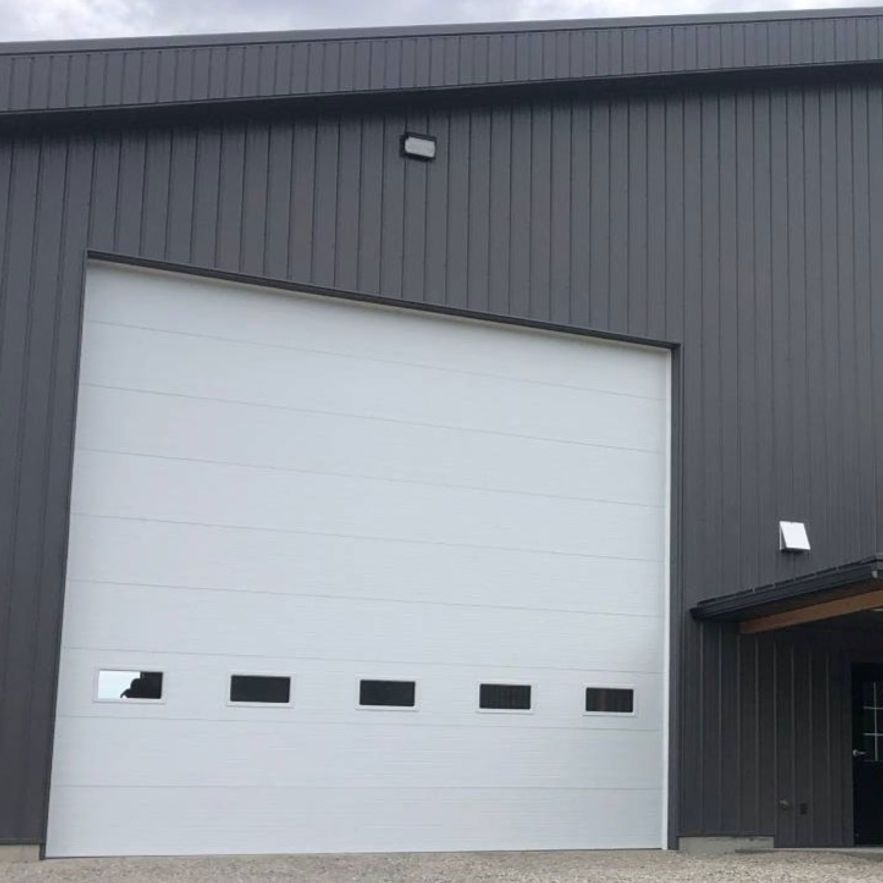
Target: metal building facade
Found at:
716, 185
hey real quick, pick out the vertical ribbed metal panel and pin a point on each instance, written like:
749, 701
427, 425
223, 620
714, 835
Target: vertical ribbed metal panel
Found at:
78, 76
46, 186
746, 224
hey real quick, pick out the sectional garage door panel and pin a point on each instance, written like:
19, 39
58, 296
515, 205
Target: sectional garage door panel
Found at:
323, 694
216, 311
372, 389
240, 434
170, 490
364, 820
282, 484
212, 621
117, 550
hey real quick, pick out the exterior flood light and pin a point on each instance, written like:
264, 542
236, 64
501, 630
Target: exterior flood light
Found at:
792, 537
418, 146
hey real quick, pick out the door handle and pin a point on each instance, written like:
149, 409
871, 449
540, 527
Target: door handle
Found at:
857, 753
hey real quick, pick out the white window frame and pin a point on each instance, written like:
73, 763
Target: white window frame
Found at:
509, 682
613, 714
228, 685
119, 700
399, 678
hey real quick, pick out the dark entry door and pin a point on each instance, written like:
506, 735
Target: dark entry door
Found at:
867, 753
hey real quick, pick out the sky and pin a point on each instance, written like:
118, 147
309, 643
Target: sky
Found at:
59, 19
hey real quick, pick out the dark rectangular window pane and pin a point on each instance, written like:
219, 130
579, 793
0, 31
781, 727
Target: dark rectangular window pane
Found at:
400, 694
611, 700
259, 688
510, 697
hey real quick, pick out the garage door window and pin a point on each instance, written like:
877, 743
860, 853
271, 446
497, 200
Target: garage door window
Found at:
260, 690
610, 700
387, 694
128, 685
504, 697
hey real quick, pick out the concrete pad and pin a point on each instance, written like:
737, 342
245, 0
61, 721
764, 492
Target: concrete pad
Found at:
647, 866
709, 847
19, 852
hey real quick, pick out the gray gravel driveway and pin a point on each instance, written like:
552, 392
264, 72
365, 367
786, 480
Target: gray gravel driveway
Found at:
532, 867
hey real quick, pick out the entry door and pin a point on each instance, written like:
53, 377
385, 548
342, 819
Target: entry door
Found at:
867, 753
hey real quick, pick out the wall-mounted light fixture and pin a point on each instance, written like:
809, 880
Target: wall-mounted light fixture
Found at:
418, 146
793, 537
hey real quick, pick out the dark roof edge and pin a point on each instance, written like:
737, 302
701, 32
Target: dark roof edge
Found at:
741, 604
268, 37
205, 110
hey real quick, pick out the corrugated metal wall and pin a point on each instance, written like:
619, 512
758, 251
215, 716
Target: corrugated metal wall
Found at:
768, 721
200, 69
746, 224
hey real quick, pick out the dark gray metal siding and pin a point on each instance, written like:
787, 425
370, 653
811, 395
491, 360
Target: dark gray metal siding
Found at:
140, 72
747, 224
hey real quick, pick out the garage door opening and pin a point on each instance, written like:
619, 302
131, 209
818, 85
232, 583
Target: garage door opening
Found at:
428, 554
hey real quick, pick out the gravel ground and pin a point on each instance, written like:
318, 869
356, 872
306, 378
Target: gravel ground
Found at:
532, 867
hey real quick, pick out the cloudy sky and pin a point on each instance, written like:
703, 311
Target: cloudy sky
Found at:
49, 19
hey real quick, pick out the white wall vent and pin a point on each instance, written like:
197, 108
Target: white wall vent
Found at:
792, 537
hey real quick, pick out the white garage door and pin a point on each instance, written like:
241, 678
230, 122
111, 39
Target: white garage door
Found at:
372, 579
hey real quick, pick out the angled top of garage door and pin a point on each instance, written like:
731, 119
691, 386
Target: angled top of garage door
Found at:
286, 485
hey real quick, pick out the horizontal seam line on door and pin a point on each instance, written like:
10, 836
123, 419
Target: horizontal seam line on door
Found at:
373, 417
283, 530
379, 478
357, 787
413, 722
393, 362
485, 666
368, 598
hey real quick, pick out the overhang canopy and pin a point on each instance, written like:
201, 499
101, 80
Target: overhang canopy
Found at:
815, 597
